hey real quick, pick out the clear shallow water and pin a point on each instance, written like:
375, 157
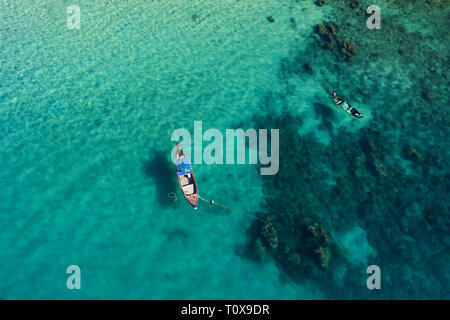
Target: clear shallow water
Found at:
87, 117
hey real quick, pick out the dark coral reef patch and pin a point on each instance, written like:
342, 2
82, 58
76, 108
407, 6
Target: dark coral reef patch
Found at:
391, 178
346, 50
405, 213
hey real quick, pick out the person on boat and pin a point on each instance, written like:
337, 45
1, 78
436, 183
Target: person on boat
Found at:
346, 106
180, 153
337, 100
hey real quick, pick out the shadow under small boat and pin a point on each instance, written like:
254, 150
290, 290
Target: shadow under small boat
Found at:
161, 170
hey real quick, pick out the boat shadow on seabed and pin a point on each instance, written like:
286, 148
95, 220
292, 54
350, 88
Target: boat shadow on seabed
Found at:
161, 170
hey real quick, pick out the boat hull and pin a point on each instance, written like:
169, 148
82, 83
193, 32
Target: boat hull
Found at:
192, 198
186, 178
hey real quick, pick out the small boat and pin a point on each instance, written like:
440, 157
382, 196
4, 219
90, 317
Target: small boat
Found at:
346, 107
186, 177
351, 110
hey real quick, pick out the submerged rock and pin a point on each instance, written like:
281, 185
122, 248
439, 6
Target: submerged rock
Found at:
354, 4
307, 67
318, 233
428, 95
348, 50
195, 17
269, 233
320, 2
323, 255
293, 23
327, 31
410, 153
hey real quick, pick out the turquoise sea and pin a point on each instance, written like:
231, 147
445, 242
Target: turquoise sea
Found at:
86, 117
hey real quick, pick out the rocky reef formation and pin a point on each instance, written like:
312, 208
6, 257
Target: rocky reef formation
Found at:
404, 212
269, 234
346, 50
390, 178
302, 248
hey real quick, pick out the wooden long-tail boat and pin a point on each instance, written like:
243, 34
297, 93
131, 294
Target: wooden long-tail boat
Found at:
346, 107
186, 177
